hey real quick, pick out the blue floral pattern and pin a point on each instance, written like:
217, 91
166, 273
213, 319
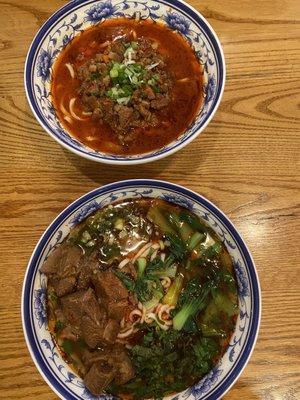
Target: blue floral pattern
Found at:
205, 384
180, 200
243, 286
100, 11
40, 312
178, 22
84, 212
94, 12
44, 64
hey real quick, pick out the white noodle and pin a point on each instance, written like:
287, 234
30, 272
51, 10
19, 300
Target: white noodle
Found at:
141, 251
71, 70
163, 257
134, 313
68, 119
87, 113
183, 80
152, 65
133, 33
166, 282
72, 111
164, 309
105, 44
125, 334
123, 263
63, 110
118, 37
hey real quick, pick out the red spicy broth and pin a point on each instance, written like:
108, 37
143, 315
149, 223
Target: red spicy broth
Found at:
159, 126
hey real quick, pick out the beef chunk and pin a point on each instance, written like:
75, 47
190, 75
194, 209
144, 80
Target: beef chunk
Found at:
93, 320
118, 308
123, 365
62, 267
112, 363
72, 309
89, 267
90, 357
63, 286
111, 331
112, 292
64, 260
100, 375
88, 319
107, 284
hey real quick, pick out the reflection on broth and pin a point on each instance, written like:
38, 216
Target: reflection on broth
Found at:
142, 299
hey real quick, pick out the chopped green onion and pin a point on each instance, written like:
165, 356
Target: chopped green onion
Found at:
123, 100
85, 237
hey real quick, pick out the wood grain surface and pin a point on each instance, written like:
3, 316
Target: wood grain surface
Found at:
246, 162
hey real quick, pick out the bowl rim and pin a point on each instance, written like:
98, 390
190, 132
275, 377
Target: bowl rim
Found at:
236, 371
143, 157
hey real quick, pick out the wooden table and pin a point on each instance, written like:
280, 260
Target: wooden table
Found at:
246, 161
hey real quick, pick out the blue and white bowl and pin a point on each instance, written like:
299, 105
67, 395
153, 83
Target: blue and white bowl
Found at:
78, 15
44, 351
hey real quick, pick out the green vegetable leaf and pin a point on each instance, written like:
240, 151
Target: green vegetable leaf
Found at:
193, 221
67, 346
177, 246
126, 280
59, 326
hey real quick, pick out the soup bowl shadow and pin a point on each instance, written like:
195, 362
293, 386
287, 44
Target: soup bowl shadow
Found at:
181, 165
43, 349
79, 15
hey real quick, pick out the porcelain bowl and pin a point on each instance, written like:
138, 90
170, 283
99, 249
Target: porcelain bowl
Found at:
43, 350
78, 15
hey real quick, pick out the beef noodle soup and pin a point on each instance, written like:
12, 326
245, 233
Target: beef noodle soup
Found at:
141, 299
126, 86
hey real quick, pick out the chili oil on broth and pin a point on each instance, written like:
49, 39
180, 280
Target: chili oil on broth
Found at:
181, 62
161, 344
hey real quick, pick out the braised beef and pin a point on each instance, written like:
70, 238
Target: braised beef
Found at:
88, 319
114, 364
107, 284
62, 267
89, 267
100, 375
123, 365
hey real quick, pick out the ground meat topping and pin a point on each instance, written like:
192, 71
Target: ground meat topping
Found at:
125, 85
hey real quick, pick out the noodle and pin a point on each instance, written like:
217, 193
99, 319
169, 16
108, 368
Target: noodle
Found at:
71, 70
72, 111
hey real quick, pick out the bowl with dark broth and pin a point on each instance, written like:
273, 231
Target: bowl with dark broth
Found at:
141, 289
125, 81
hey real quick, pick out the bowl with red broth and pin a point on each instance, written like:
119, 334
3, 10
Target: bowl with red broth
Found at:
141, 289
125, 82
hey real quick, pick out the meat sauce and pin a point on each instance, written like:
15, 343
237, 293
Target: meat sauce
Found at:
181, 64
